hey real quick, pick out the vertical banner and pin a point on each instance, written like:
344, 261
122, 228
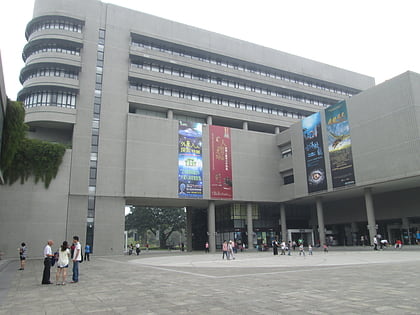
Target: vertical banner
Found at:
220, 163
314, 153
339, 145
190, 162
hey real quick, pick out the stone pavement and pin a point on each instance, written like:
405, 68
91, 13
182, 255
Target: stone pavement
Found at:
340, 282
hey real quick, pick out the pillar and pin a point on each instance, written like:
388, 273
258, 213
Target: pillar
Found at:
170, 114
283, 223
211, 224
321, 225
189, 229
250, 229
209, 120
245, 125
406, 226
370, 212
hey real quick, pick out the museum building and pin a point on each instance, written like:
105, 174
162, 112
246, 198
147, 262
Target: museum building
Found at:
255, 143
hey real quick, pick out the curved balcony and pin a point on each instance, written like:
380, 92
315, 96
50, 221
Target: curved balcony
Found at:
48, 69
54, 22
51, 45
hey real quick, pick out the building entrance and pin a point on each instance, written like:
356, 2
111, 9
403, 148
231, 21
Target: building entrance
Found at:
307, 235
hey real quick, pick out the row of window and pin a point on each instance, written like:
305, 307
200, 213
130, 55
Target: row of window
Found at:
48, 98
56, 24
213, 99
52, 72
228, 83
242, 67
54, 48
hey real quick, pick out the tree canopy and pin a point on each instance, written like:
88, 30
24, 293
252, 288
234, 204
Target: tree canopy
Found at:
164, 221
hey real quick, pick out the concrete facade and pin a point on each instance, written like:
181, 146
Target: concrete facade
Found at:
122, 80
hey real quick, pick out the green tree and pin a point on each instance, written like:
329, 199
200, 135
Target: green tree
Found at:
164, 221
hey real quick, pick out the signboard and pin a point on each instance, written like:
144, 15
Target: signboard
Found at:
339, 145
190, 162
220, 163
314, 153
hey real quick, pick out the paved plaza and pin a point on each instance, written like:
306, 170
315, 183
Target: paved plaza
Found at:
340, 282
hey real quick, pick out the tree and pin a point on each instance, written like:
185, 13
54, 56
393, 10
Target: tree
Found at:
164, 221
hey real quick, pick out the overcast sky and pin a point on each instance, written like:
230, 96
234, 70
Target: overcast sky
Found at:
379, 38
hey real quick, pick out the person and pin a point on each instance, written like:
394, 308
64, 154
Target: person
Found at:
62, 263
310, 249
289, 248
325, 248
301, 249
375, 243
77, 257
207, 247
87, 252
147, 247
275, 247
230, 250
225, 250
48, 255
398, 244
138, 248
22, 256
182, 247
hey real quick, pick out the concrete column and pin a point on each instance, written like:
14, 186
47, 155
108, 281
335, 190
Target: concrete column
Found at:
189, 229
245, 125
211, 224
277, 130
249, 223
209, 120
170, 114
321, 225
370, 211
283, 223
406, 226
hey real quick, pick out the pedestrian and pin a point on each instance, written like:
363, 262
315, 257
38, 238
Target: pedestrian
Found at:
310, 249
48, 255
325, 248
138, 248
275, 247
62, 263
301, 250
147, 247
375, 243
206, 246
289, 248
294, 245
225, 250
283, 248
77, 257
22, 256
230, 250
182, 247
87, 252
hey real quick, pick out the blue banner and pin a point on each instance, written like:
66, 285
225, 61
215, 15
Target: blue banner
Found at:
314, 153
190, 162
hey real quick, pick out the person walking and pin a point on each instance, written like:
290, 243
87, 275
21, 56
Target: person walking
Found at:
22, 256
62, 263
283, 248
301, 250
87, 252
230, 251
310, 249
138, 248
275, 247
375, 243
77, 257
48, 255
225, 250
206, 246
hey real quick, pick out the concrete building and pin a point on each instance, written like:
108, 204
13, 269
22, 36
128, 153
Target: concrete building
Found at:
129, 93
3, 104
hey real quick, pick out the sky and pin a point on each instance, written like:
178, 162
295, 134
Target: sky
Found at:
379, 38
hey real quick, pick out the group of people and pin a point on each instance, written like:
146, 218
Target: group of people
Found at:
228, 249
291, 245
62, 259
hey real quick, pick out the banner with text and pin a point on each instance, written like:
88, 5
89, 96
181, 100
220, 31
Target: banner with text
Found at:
339, 145
314, 153
220, 163
190, 162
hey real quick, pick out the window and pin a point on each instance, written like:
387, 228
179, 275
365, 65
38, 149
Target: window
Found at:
289, 179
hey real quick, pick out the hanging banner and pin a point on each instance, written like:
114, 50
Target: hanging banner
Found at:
220, 163
314, 153
339, 145
190, 162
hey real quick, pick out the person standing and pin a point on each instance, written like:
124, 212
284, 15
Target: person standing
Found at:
375, 243
207, 247
77, 257
230, 250
137, 249
275, 247
48, 255
87, 252
283, 248
301, 249
310, 249
22, 256
62, 263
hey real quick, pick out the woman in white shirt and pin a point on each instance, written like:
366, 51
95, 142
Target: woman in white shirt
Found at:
62, 263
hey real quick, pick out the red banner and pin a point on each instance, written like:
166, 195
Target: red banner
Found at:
220, 163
